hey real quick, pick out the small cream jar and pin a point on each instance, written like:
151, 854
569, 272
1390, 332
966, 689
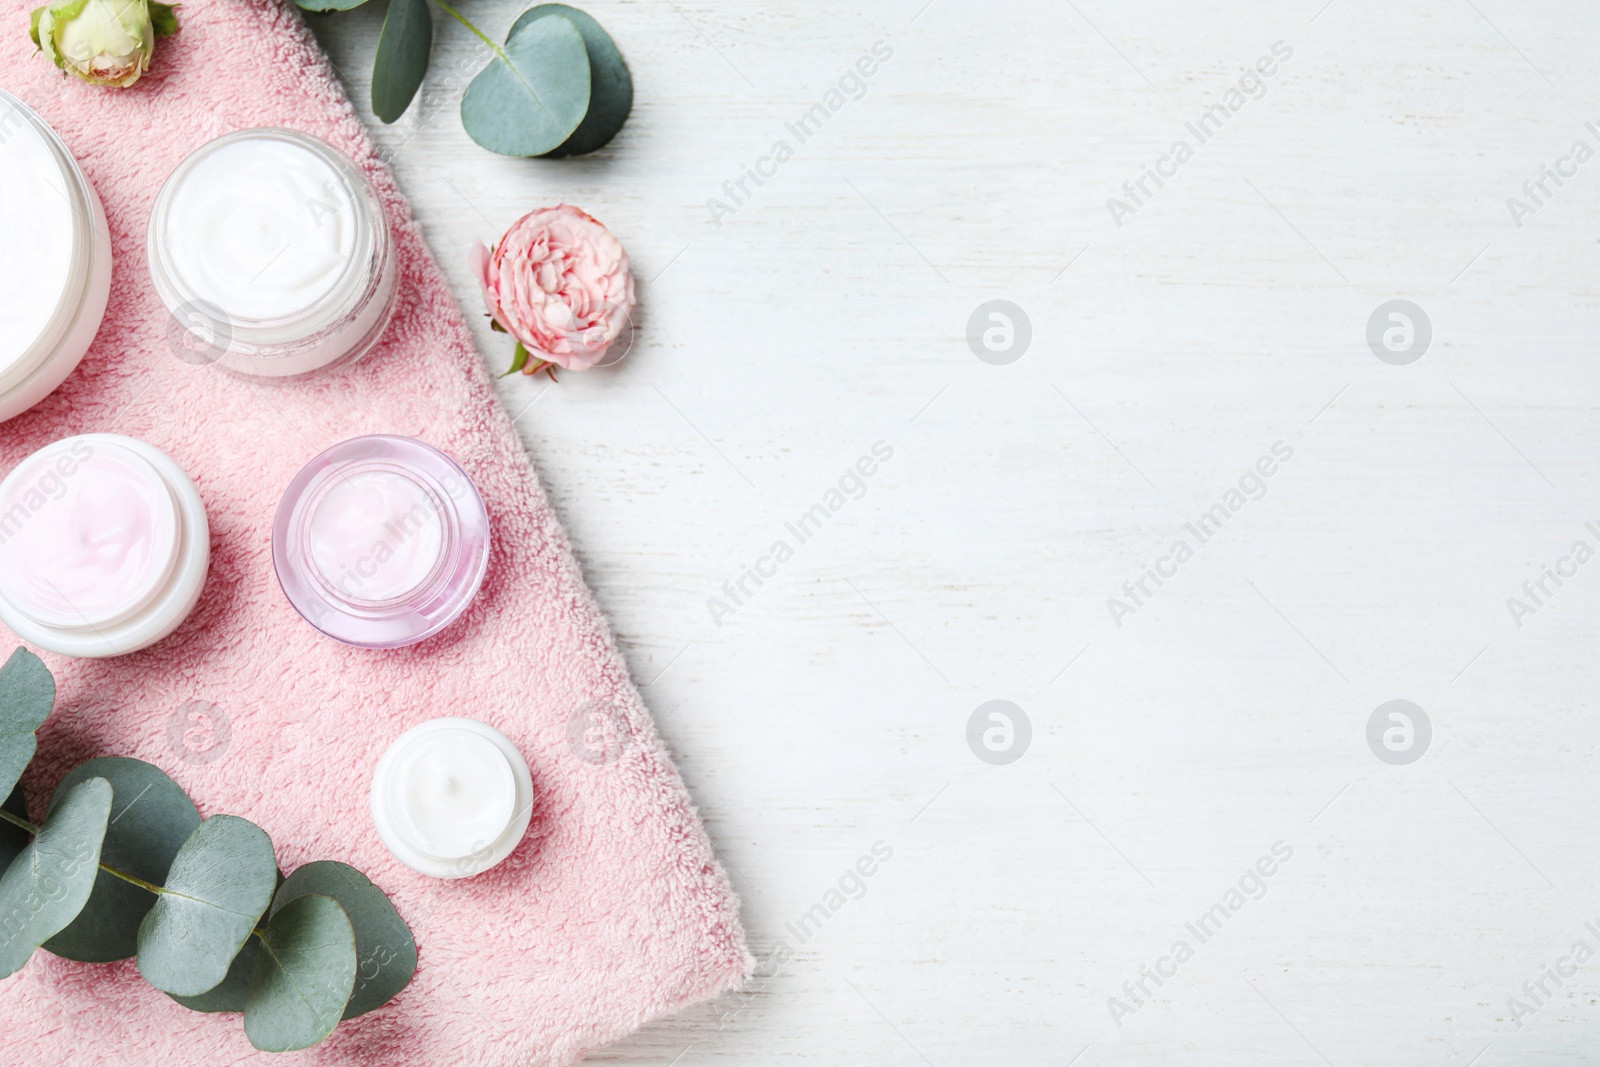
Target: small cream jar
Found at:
104, 546
452, 797
273, 256
55, 260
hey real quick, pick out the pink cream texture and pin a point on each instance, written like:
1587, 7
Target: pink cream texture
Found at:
89, 535
375, 535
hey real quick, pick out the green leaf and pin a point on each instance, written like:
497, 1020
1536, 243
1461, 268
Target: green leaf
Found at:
328, 5
27, 693
404, 45
33, 26
386, 953
610, 84
221, 881
530, 100
519, 359
151, 818
304, 973
45, 887
231, 993
163, 18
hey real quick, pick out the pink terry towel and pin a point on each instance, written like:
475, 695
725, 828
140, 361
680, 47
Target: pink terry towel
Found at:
614, 910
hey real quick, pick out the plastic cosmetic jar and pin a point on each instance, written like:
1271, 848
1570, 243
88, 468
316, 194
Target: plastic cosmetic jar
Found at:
381, 541
272, 253
55, 260
452, 798
103, 546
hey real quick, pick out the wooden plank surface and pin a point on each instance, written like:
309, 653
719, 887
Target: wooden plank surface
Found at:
1172, 744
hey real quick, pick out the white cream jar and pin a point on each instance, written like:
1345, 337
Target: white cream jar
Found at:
104, 545
55, 260
452, 797
272, 253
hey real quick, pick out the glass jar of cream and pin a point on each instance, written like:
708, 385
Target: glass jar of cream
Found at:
381, 541
452, 798
55, 260
273, 256
104, 545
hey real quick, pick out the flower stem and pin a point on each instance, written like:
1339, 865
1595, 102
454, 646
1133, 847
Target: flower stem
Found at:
131, 879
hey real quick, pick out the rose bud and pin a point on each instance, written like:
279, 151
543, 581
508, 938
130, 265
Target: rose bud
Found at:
559, 283
104, 42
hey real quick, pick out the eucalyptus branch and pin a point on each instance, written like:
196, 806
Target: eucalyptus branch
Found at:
17, 821
131, 879
479, 34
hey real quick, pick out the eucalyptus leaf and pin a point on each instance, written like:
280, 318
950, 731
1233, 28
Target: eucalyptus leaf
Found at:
27, 693
46, 886
532, 97
610, 84
231, 993
304, 974
386, 953
221, 881
151, 818
13, 839
328, 5
404, 45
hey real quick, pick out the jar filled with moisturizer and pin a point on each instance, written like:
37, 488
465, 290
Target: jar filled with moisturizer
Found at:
55, 259
381, 541
452, 797
273, 256
104, 545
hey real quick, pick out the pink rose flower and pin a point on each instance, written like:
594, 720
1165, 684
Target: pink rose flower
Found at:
559, 283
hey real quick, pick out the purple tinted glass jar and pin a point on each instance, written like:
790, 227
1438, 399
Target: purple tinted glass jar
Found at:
381, 541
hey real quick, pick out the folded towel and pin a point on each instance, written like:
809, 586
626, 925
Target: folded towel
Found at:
613, 911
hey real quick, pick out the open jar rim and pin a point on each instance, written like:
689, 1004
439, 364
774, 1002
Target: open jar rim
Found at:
88, 249
365, 271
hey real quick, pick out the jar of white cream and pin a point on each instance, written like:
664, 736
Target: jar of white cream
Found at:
104, 545
452, 797
273, 256
55, 260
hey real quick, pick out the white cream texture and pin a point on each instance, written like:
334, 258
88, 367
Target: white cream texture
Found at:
375, 535
454, 793
36, 250
262, 228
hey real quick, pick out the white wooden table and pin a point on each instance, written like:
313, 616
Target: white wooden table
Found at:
1229, 710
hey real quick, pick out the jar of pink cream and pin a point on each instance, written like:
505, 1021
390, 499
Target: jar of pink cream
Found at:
55, 260
273, 256
104, 546
381, 541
